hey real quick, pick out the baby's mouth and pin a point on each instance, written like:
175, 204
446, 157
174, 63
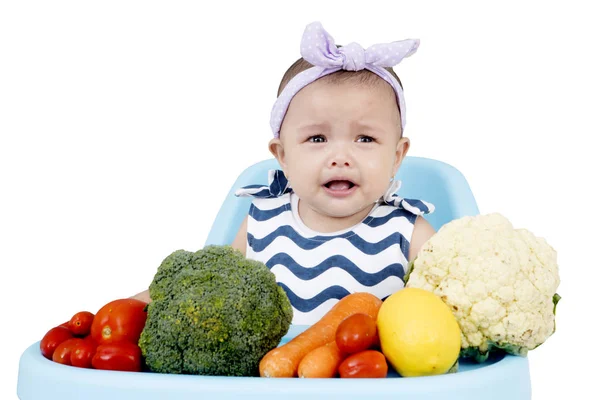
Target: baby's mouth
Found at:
339, 185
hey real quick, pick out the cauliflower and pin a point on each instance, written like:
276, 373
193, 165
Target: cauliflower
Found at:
499, 282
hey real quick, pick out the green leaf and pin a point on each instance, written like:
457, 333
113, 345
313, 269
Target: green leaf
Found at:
409, 269
555, 299
453, 369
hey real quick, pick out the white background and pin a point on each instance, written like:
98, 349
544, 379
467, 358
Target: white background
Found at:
124, 124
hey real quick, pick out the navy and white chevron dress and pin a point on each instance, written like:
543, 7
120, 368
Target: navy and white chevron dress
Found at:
317, 269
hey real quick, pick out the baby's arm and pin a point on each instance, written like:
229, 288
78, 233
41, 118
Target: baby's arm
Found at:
421, 233
239, 243
143, 296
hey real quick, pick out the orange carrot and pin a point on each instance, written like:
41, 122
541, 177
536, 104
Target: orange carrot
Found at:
283, 361
321, 362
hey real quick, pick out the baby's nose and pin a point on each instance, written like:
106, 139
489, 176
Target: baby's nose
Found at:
340, 154
339, 162
340, 159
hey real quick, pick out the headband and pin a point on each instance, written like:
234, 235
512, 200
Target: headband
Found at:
319, 49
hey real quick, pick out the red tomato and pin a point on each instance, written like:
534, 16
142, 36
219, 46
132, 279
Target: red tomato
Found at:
83, 352
81, 323
62, 354
366, 364
52, 339
118, 321
89, 338
376, 343
124, 356
356, 333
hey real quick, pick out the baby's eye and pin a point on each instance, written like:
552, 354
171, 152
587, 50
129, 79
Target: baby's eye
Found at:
366, 139
317, 139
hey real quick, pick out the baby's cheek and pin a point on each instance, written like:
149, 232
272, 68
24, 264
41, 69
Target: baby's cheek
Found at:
376, 187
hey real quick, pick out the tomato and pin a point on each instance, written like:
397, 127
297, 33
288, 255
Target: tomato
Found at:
376, 342
124, 356
62, 354
83, 352
52, 339
356, 333
366, 364
89, 338
81, 323
118, 321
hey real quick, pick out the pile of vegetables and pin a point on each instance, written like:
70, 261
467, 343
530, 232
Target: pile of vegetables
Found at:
477, 286
105, 340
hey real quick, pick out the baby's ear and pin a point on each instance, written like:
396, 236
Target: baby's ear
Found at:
276, 148
401, 150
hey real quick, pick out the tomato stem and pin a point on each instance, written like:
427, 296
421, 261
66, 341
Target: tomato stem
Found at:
106, 331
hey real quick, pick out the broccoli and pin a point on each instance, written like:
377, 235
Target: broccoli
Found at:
213, 312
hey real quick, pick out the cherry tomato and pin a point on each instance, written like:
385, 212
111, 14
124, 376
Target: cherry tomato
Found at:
89, 338
83, 352
81, 323
124, 356
52, 339
376, 342
366, 364
118, 321
356, 333
62, 354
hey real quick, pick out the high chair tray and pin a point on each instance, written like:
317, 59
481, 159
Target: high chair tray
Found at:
502, 377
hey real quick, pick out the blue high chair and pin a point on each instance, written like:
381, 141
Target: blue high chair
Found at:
502, 377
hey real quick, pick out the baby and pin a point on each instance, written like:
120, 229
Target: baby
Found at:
329, 222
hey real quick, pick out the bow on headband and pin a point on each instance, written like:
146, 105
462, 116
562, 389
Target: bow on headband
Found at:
319, 49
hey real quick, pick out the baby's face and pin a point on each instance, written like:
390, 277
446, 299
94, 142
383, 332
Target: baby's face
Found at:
341, 144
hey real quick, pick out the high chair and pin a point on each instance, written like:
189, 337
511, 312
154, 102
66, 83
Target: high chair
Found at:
503, 376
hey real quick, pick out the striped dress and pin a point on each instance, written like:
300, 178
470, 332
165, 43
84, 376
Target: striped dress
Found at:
317, 269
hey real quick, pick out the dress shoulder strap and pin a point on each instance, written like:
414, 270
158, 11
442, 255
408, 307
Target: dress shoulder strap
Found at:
278, 185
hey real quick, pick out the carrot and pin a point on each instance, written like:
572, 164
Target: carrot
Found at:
321, 362
283, 361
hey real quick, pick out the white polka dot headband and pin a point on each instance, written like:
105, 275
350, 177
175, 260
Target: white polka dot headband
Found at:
319, 49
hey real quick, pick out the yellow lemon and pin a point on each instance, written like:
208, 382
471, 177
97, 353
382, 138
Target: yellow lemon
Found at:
419, 334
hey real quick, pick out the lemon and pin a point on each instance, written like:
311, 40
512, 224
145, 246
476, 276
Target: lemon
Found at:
419, 334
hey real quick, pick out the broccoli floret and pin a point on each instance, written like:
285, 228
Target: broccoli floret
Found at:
213, 312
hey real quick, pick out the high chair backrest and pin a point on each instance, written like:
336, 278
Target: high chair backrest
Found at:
422, 178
